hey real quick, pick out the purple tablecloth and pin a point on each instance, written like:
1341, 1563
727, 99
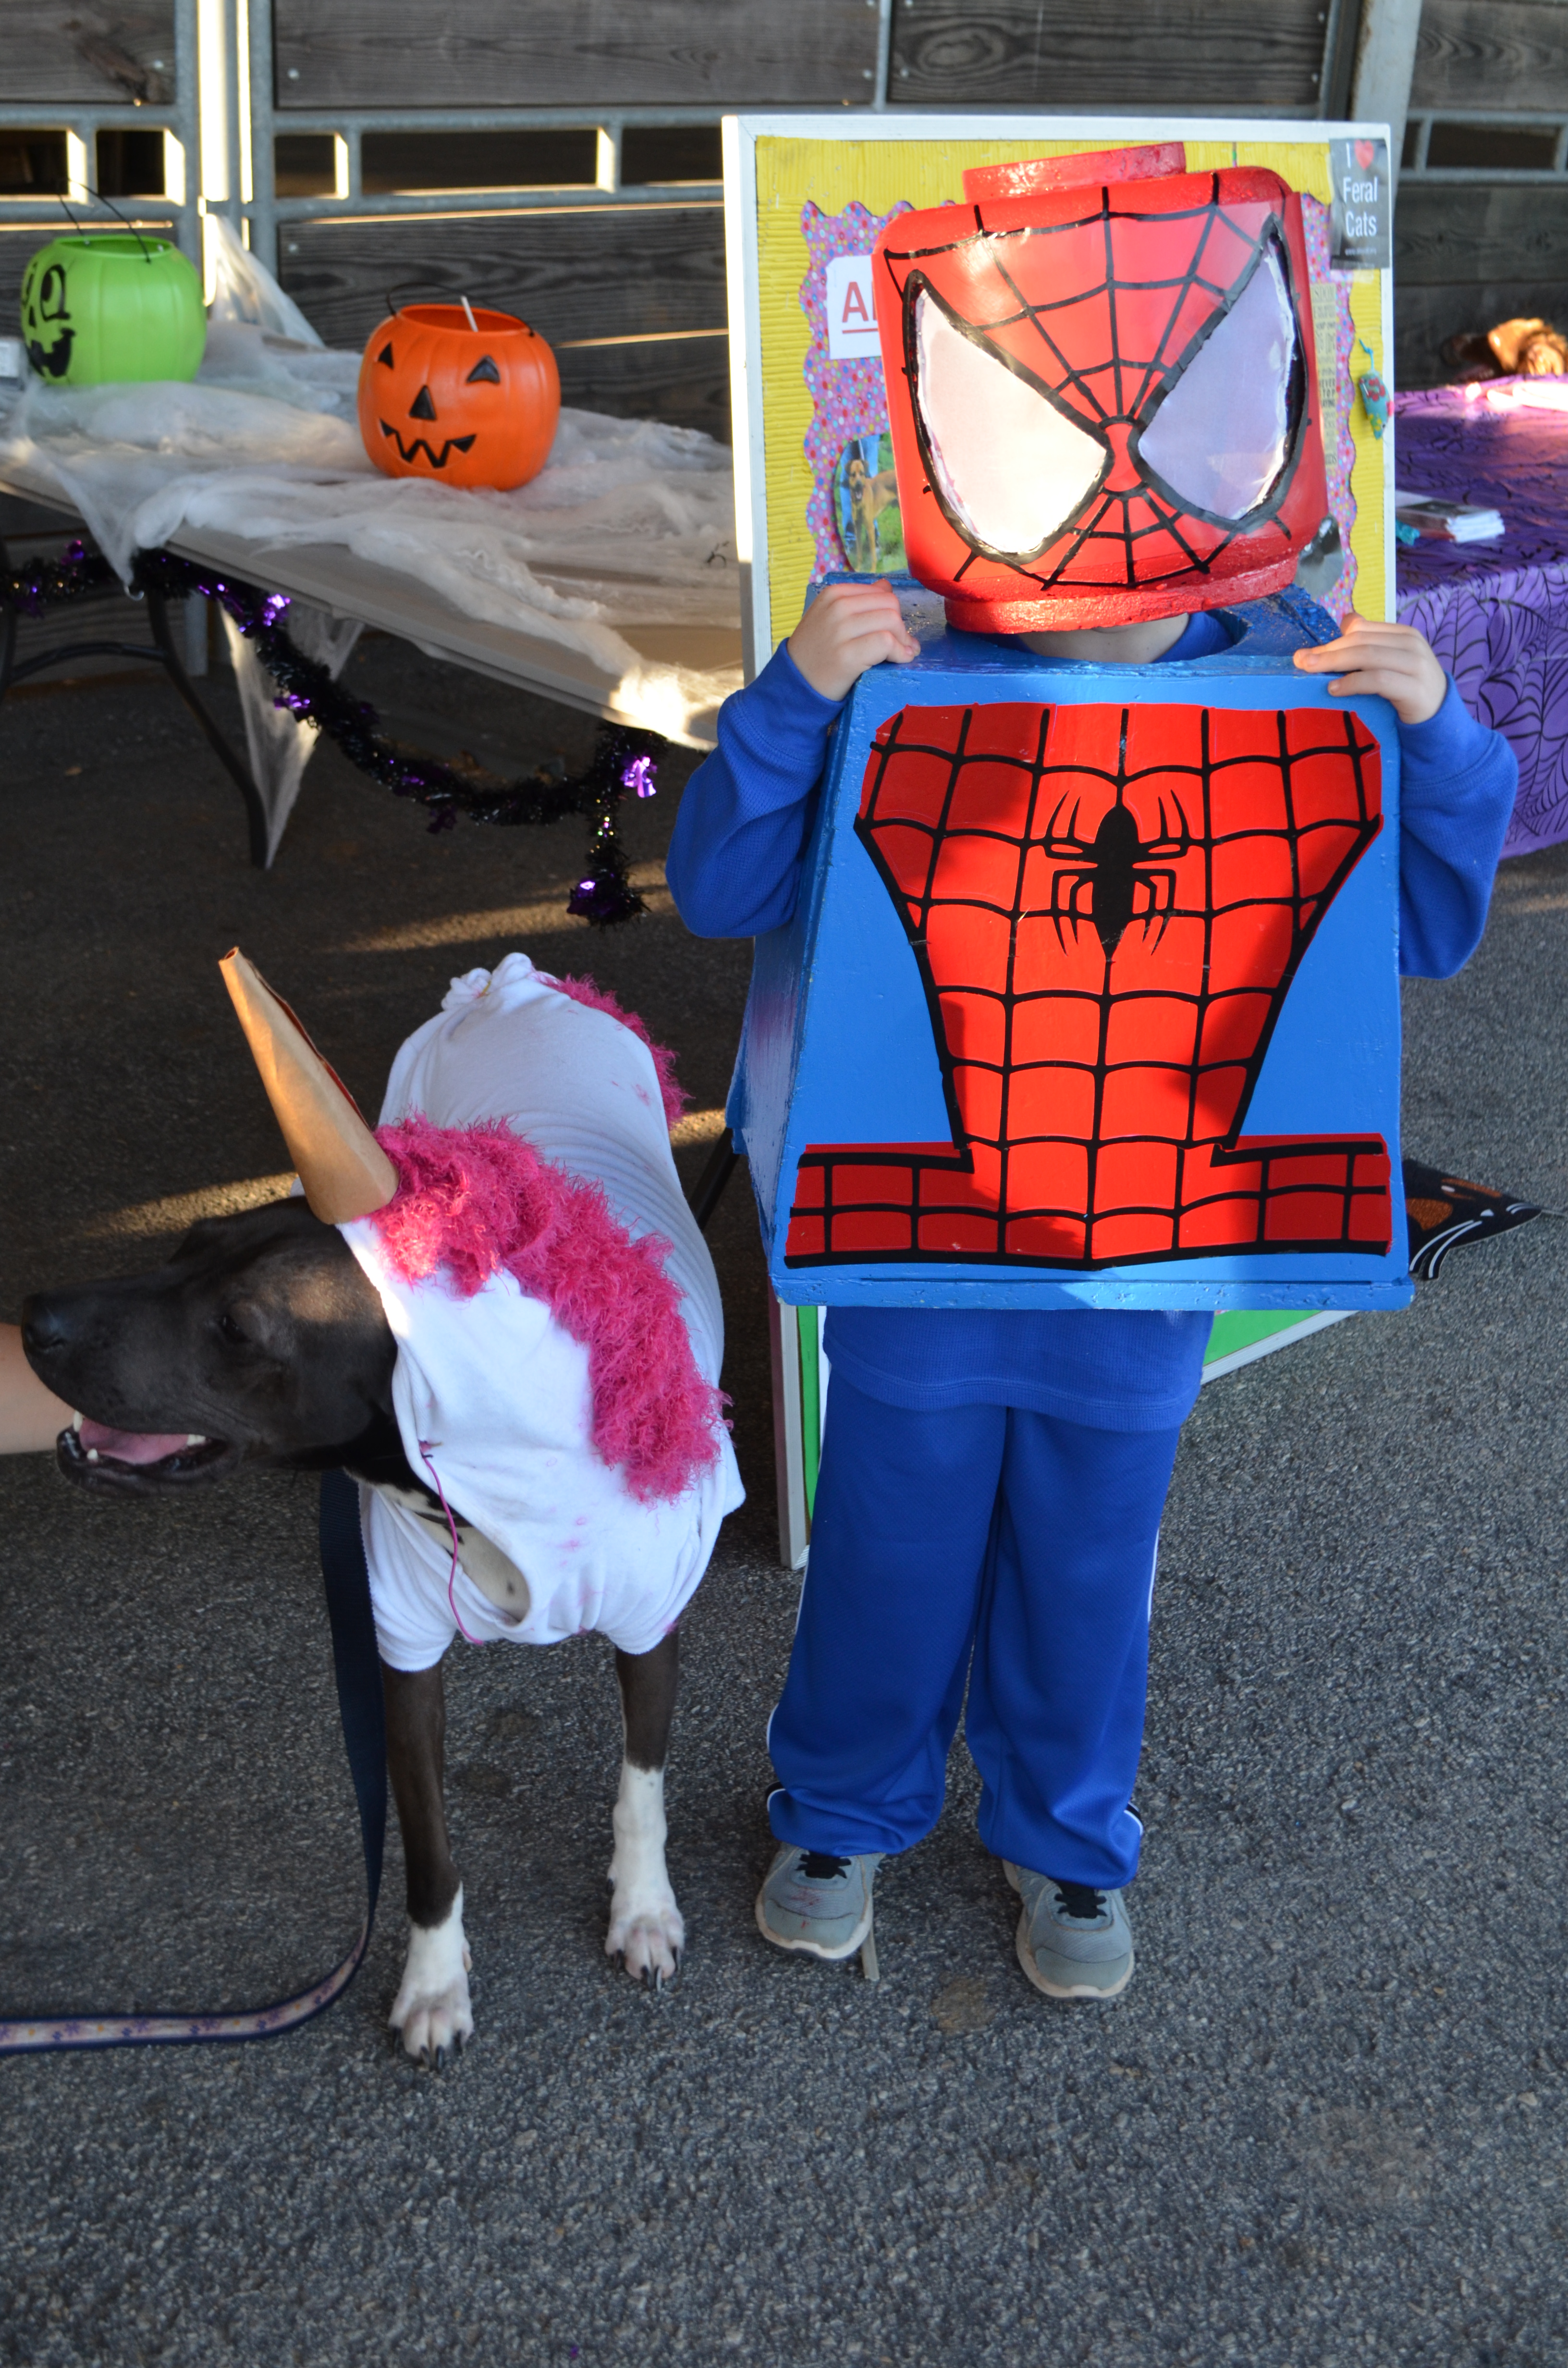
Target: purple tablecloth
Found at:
1497, 613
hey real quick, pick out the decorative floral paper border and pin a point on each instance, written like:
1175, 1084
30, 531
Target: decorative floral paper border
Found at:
848, 398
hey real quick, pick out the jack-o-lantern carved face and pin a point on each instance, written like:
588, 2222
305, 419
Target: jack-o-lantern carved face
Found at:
102, 306
46, 322
465, 401
1101, 390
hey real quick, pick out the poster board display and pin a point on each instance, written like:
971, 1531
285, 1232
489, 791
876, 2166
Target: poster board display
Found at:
818, 495
805, 196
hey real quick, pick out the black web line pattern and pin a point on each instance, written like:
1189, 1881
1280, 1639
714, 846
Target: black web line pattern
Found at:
916, 899
1166, 519
1100, 505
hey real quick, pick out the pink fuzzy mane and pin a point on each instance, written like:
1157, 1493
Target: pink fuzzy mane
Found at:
583, 990
479, 1200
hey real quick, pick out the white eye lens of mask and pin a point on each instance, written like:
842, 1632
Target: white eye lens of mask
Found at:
1013, 468
1221, 435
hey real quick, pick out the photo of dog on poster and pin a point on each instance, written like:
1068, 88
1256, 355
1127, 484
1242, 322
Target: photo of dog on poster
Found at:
865, 506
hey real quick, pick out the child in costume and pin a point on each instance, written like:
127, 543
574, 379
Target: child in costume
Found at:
992, 1480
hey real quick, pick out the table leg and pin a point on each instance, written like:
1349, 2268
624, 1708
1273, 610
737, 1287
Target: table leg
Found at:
163, 651
723, 1162
10, 672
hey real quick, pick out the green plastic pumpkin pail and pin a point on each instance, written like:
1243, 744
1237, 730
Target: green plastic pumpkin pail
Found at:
112, 305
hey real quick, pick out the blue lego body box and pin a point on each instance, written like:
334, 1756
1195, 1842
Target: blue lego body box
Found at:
1091, 995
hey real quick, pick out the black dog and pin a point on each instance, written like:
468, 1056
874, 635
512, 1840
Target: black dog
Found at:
261, 1346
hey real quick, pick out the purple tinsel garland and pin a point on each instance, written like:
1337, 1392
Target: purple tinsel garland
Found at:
625, 760
31, 590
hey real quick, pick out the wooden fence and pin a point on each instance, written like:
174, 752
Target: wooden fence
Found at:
559, 157
1481, 230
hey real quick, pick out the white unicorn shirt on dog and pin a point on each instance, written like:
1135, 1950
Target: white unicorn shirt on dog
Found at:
492, 1394
502, 1295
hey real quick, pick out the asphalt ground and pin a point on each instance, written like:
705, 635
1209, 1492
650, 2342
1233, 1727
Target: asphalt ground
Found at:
1325, 2126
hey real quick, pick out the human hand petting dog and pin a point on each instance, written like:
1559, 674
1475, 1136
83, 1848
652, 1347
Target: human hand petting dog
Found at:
848, 627
1392, 661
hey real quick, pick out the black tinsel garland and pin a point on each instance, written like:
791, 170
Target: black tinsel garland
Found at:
31, 590
625, 760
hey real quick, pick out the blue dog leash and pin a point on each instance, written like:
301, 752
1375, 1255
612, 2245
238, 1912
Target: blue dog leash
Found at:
357, 1668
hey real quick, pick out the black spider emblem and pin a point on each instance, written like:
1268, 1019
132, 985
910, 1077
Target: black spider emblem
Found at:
1122, 877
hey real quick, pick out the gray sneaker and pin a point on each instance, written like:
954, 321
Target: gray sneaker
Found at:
819, 1905
1073, 1942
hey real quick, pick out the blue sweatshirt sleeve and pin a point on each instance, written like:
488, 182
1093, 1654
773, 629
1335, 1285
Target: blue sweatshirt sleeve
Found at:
740, 837
735, 862
1456, 785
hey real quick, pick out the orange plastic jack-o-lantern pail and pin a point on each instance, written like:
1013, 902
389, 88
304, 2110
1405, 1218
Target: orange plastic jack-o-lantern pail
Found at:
462, 395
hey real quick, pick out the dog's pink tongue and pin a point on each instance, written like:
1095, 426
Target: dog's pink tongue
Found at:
131, 1446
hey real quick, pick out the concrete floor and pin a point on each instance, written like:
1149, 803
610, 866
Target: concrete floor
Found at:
1324, 2127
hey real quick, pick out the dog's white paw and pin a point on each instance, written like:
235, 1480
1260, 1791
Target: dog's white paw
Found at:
431, 2010
645, 1927
648, 1937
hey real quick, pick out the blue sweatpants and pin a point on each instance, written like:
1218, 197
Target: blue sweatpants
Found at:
983, 1544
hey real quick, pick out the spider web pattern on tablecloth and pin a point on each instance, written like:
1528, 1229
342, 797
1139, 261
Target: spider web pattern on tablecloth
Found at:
1497, 613
1506, 646
1107, 906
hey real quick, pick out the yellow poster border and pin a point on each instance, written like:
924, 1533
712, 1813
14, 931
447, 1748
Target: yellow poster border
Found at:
833, 164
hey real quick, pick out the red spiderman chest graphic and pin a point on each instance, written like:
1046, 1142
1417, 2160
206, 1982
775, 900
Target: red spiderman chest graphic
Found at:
1105, 908
1107, 905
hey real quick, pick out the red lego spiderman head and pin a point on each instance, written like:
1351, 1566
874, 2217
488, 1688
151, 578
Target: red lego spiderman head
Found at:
1101, 390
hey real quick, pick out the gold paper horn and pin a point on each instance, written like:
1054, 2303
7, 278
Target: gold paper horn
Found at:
342, 1167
